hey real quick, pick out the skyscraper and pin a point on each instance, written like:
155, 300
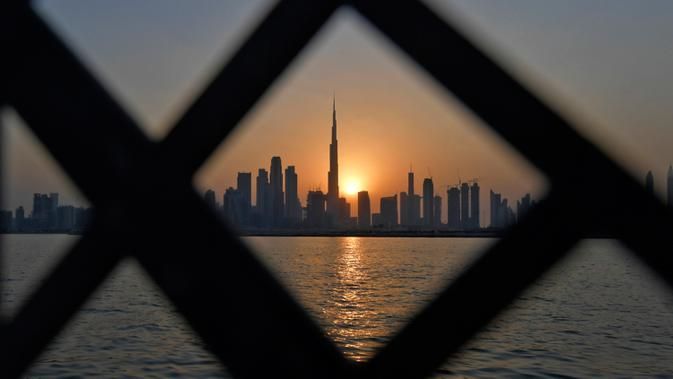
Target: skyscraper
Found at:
333, 206
474, 206
428, 197
413, 202
315, 209
404, 209
523, 206
364, 209
437, 212
495, 210
453, 208
244, 188
649, 182
669, 186
389, 211
276, 184
292, 204
465, 206
263, 204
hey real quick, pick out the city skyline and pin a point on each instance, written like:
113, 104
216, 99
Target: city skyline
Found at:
385, 102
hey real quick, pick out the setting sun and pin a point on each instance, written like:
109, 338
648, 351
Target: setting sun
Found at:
352, 186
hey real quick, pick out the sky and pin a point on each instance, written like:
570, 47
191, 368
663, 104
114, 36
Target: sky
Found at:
601, 63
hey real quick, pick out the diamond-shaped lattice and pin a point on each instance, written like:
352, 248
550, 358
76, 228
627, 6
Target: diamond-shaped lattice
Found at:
397, 116
115, 165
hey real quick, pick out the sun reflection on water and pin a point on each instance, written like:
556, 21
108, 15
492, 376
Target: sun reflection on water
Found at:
347, 306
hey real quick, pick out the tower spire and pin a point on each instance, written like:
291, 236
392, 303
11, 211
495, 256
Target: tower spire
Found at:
334, 122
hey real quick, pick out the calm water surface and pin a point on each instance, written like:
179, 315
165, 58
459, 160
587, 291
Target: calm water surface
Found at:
597, 314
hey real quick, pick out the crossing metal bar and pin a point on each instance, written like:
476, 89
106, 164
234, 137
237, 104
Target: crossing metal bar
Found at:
245, 317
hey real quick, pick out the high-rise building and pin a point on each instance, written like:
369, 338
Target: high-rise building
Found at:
404, 209
437, 212
44, 210
428, 197
263, 196
65, 217
413, 202
410, 183
389, 211
364, 210
669, 186
333, 208
234, 207
276, 185
315, 209
453, 208
344, 212
465, 206
292, 204
19, 218
495, 210
649, 182
53, 208
523, 206
475, 223
244, 188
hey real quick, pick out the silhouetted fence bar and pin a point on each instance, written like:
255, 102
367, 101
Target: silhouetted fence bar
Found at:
237, 308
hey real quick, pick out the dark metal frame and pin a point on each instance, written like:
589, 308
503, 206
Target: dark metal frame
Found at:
238, 309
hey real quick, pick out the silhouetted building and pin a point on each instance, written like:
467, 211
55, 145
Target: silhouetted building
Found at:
292, 203
333, 209
437, 212
649, 182
669, 186
277, 197
315, 209
496, 210
209, 198
465, 206
453, 208
364, 209
404, 209
244, 187
19, 219
389, 211
523, 206
44, 211
413, 203
235, 207
66, 217
475, 223
263, 196
377, 220
344, 212
428, 197
53, 207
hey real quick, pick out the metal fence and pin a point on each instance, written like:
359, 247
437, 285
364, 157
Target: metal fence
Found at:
230, 300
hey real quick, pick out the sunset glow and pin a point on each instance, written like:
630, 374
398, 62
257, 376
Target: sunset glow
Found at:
352, 187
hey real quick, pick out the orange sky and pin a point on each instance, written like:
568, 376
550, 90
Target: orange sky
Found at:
389, 115
611, 76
